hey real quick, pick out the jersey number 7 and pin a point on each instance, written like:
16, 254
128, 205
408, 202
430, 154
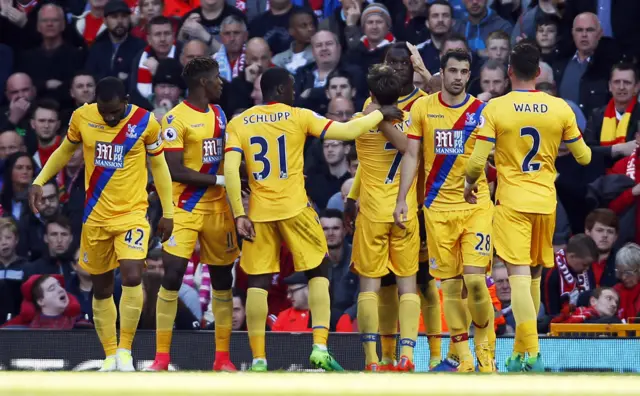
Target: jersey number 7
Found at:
261, 156
527, 164
393, 169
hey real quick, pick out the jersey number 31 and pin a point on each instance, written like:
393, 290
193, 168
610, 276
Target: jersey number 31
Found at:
527, 164
261, 156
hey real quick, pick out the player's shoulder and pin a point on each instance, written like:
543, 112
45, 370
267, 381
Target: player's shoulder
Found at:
424, 101
86, 111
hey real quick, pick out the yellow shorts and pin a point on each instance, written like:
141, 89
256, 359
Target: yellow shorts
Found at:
524, 238
304, 238
458, 238
103, 247
423, 256
215, 231
380, 247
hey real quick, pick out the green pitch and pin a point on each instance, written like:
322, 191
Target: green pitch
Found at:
311, 384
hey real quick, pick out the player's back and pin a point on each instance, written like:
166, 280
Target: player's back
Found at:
115, 161
529, 127
272, 139
380, 174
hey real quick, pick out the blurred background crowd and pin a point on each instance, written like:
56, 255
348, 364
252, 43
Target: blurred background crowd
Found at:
53, 52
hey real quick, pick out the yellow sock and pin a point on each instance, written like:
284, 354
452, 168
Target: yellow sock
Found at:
320, 307
467, 314
388, 307
455, 315
430, 305
105, 316
222, 307
524, 312
479, 306
368, 325
535, 294
166, 309
256, 313
130, 310
491, 333
409, 313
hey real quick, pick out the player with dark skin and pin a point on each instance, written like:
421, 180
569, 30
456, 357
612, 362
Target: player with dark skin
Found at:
285, 94
207, 89
112, 112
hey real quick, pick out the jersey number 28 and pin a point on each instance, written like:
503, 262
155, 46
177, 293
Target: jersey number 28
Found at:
261, 156
527, 164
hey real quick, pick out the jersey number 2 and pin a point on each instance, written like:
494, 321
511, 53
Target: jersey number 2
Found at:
393, 169
261, 156
527, 164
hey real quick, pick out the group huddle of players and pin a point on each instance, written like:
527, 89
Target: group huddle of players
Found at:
425, 211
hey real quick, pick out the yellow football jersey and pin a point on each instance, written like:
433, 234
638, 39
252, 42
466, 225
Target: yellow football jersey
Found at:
527, 128
380, 175
115, 161
448, 135
200, 136
271, 138
404, 102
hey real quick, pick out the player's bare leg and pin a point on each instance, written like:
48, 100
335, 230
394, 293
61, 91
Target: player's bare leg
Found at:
222, 307
105, 316
524, 312
256, 312
409, 314
130, 308
320, 307
480, 308
166, 308
388, 313
368, 320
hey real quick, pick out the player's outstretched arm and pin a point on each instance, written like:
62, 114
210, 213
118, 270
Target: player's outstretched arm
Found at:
475, 166
394, 135
351, 130
56, 162
580, 151
232, 160
408, 168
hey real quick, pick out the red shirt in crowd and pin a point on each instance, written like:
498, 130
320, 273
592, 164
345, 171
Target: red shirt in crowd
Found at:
629, 166
91, 28
292, 320
629, 301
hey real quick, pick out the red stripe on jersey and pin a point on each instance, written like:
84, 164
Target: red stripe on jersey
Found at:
414, 137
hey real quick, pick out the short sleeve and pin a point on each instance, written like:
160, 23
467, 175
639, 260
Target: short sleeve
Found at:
313, 123
73, 133
571, 132
172, 133
152, 138
487, 125
416, 120
231, 138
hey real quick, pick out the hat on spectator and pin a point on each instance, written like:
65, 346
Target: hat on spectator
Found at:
297, 278
169, 71
375, 9
116, 6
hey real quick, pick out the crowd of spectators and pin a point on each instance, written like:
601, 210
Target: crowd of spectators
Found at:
53, 52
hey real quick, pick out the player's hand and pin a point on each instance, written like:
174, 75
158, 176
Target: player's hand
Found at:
245, 228
350, 212
470, 191
371, 107
392, 113
400, 214
35, 196
625, 149
416, 60
165, 228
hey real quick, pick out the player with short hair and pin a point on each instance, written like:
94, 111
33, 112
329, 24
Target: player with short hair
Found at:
459, 234
271, 139
399, 57
380, 247
527, 127
193, 133
116, 138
